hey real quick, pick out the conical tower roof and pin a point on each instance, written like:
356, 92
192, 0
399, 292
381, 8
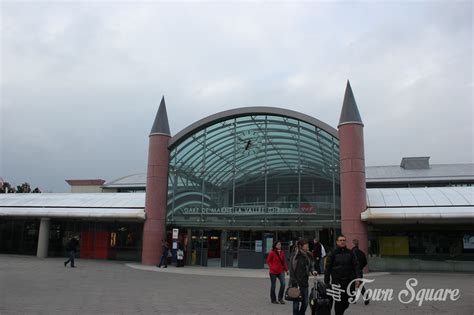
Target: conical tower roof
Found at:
350, 112
161, 126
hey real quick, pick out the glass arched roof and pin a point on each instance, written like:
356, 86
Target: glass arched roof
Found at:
247, 111
263, 139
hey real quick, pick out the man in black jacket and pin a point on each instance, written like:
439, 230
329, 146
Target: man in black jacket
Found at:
342, 267
71, 248
362, 259
317, 255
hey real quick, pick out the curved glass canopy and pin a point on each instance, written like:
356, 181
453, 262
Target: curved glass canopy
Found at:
255, 171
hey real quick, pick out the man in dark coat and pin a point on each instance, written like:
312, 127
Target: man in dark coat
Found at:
342, 267
71, 248
317, 255
362, 259
164, 254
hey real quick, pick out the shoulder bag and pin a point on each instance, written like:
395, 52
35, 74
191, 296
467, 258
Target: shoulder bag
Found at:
293, 293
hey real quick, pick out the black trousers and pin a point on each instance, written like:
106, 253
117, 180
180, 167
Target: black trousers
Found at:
341, 306
72, 255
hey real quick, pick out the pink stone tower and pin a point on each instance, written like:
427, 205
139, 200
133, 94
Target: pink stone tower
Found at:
154, 229
353, 189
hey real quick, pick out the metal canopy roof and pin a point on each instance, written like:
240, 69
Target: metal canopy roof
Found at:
390, 205
420, 197
94, 205
436, 172
419, 215
134, 180
424, 205
74, 213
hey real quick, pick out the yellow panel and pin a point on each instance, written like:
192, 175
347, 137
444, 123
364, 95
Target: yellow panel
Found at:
393, 245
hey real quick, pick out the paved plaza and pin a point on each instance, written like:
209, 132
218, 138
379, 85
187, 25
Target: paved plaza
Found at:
29, 285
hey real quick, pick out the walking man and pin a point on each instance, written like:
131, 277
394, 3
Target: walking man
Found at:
362, 259
342, 267
71, 248
317, 255
164, 254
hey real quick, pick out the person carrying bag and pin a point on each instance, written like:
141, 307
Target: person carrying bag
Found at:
293, 293
301, 267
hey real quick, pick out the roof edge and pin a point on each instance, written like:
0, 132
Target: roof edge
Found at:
106, 184
246, 111
85, 182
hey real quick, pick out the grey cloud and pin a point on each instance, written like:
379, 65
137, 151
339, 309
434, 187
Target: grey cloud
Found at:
81, 82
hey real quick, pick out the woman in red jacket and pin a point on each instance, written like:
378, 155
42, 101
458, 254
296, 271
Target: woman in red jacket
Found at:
277, 264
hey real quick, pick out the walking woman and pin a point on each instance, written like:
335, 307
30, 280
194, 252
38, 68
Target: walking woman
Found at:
302, 266
277, 264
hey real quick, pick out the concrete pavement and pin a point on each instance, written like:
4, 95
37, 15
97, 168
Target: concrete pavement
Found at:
30, 285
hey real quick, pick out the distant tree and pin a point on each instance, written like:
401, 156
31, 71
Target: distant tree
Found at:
6, 187
24, 188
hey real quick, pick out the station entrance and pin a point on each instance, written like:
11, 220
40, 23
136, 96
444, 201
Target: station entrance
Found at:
239, 181
242, 248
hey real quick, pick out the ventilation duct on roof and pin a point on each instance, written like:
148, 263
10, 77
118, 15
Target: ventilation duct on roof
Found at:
415, 163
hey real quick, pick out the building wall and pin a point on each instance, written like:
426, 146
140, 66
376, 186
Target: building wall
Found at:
86, 189
98, 239
434, 242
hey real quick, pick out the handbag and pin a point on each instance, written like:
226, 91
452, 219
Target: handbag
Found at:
293, 294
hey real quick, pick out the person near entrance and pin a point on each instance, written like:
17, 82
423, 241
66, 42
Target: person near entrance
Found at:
342, 267
71, 248
362, 259
180, 255
301, 267
164, 254
278, 267
318, 255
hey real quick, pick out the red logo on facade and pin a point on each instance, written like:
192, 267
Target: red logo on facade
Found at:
307, 208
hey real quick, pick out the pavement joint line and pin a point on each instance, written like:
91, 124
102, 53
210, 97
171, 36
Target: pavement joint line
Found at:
223, 272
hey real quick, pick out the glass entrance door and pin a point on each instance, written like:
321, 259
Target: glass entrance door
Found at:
198, 247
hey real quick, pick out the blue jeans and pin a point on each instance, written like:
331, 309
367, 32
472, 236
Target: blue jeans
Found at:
164, 260
273, 279
297, 310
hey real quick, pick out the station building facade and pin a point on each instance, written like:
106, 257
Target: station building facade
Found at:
234, 182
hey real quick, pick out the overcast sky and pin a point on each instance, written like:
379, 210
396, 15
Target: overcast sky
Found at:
81, 82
